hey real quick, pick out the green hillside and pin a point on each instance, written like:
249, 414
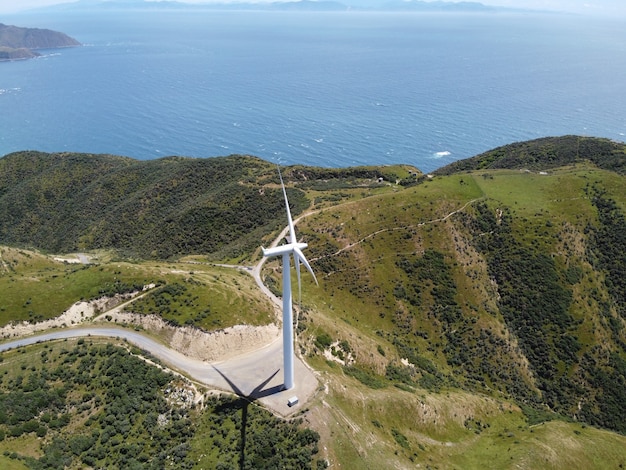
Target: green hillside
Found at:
158, 209
507, 283
546, 153
35, 287
473, 319
84, 404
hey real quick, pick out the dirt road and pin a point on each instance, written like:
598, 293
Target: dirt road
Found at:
256, 375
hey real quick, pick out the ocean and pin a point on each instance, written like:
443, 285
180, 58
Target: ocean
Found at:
326, 89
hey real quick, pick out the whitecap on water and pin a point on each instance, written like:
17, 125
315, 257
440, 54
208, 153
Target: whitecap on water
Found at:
6, 91
445, 153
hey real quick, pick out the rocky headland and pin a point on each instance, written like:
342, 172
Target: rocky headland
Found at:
23, 43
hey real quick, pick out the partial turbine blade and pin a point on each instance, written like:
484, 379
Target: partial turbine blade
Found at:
297, 263
292, 230
299, 256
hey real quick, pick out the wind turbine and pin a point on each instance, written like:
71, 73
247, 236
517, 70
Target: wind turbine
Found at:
291, 248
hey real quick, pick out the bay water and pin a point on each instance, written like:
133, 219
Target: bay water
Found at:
317, 88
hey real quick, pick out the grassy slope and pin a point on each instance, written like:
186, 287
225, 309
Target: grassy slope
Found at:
211, 297
355, 303
219, 207
391, 428
441, 413
35, 287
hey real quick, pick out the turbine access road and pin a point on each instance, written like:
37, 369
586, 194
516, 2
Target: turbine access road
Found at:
256, 375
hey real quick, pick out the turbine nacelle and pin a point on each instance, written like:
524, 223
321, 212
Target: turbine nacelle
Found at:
294, 249
282, 249
292, 245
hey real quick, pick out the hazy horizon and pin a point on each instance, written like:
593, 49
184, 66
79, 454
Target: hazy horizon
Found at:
595, 7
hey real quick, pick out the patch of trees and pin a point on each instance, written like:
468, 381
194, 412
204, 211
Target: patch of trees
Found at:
101, 406
157, 209
311, 177
32, 407
121, 398
534, 301
366, 377
242, 435
607, 410
548, 152
175, 303
535, 298
430, 275
608, 248
118, 286
480, 358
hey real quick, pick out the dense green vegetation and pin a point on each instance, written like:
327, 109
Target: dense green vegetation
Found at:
222, 207
477, 315
609, 246
519, 293
242, 435
125, 419
102, 406
534, 302
154, 209
546, 153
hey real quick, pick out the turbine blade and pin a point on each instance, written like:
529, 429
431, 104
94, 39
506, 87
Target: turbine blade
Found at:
297, 263
292, 230
298, 255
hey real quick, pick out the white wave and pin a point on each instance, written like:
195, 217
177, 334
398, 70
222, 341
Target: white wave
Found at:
6, 91
46, 56
445, 153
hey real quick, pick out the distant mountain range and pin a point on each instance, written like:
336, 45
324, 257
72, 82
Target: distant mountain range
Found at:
300, 5
21, 43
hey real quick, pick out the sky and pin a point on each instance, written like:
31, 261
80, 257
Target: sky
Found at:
602, 7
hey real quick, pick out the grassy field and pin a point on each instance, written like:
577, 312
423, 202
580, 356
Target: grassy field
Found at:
207, 296
35, 287
391, 428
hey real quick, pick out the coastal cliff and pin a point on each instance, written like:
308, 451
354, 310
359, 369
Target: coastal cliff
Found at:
22, 43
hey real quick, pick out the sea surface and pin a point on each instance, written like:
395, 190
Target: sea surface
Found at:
327, 89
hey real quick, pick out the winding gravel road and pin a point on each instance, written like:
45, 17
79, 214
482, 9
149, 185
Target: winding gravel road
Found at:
256, 375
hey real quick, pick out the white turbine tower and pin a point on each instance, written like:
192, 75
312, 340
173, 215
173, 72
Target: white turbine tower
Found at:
292, 247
